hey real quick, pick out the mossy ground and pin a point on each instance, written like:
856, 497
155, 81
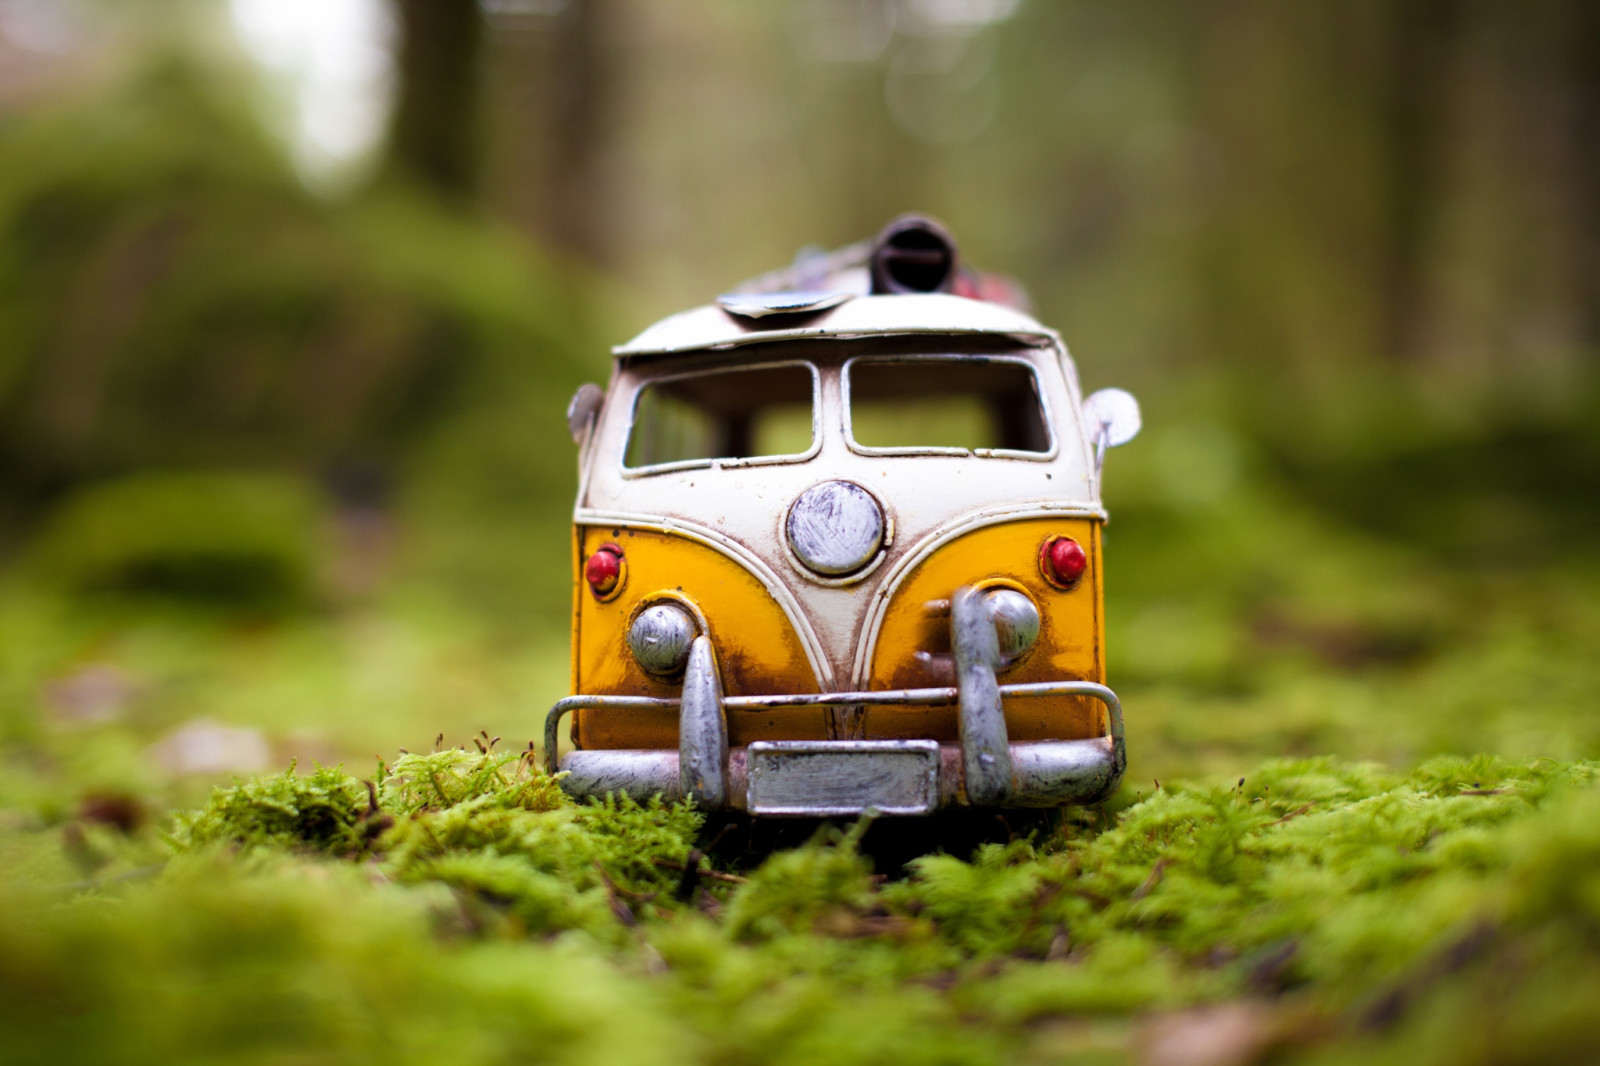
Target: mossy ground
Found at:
455, 905
1311, 860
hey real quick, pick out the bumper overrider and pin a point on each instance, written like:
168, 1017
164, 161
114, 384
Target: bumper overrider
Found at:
826, 778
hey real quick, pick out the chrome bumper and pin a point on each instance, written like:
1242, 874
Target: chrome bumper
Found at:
1047, 773
844, 777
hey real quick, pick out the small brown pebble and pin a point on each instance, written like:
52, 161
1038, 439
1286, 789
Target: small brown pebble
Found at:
117, 809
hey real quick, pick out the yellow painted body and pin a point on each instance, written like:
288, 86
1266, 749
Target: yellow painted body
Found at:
1070, 645
760, 653
757, 649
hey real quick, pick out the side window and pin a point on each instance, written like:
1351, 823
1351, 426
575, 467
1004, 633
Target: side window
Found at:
946, 406
739, 414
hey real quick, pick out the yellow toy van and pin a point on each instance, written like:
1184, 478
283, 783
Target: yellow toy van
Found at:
838, 550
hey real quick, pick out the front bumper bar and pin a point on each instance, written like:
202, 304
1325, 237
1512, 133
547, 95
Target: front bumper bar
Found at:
841, 777
1047, 773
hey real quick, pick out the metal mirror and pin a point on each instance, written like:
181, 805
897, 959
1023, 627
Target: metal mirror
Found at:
1113, 420
583, 408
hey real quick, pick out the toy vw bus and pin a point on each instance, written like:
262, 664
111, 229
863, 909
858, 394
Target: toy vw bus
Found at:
838, 543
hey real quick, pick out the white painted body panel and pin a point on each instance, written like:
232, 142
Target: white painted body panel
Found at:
862, 316
740, 508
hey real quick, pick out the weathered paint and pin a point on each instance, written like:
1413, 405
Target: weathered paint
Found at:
886, 599
760, 653
835, 528
865, 316
582, 409
659, 637
985, 750
842, 778
703, 730
757, 648
579, 594
718, 535
1015, 618
742, 509
913, 651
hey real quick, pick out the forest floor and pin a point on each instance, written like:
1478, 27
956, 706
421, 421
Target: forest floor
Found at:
1360, 824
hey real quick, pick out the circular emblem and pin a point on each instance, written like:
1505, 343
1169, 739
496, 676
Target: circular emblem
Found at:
835, 528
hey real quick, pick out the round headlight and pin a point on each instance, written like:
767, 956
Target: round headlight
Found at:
660, 637
835, 528
1016, 622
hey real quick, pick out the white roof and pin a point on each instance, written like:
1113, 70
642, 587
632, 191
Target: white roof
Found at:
712, 327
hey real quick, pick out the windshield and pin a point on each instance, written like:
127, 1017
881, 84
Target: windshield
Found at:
733, 415
951, 405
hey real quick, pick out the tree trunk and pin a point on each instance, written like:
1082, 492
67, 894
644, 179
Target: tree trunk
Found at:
434, 135
551, 79
576, 219
1423, 44
1585, 179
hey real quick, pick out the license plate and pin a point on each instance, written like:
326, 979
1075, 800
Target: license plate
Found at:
827, 778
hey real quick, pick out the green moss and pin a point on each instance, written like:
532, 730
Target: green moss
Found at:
325, 812
794, 890
1358, 898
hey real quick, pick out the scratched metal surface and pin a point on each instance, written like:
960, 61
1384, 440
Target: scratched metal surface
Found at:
744, 509
712, 327
835, 527
843, 777
1042, 773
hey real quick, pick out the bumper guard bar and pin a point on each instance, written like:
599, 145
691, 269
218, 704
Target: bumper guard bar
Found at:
1043, 773
843, 777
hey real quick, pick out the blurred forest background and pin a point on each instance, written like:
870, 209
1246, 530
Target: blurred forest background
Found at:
293, 294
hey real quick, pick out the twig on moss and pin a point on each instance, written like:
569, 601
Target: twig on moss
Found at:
1297, 812
1150, 882
619, 906
714, 875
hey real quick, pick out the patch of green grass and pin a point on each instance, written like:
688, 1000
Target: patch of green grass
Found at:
457, 904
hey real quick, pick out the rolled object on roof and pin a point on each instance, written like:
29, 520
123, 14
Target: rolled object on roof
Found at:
912, 254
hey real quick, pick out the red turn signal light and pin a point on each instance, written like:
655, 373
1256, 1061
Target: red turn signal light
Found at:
1062, 561
603, 571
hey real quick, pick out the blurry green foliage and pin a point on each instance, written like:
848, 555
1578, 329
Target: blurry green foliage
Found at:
172, 293
171, 296
235, 539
